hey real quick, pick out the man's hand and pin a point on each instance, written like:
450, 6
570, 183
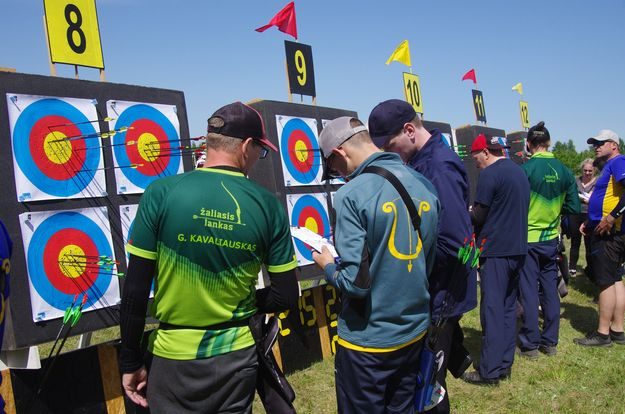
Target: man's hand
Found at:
605, 225
582, 229
134, 384
324, 258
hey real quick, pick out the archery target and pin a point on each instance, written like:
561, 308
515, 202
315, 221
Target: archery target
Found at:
504, 142
310, 211
146, 143
69, 253
57, 151
299, 151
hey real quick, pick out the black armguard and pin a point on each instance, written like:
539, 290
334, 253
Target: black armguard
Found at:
133, 310
281, 295
479, 214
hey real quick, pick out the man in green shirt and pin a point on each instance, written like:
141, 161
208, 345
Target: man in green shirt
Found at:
553, 192
203, 236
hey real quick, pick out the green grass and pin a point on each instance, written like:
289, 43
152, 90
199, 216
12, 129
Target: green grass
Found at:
576, 380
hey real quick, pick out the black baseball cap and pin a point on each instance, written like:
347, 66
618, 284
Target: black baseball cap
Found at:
239, 120
388, 118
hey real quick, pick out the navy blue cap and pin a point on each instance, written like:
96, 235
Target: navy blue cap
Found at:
388, 118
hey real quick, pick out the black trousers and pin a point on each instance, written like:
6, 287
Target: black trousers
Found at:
576, 220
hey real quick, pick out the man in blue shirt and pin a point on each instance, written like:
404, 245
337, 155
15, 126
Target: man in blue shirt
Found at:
499, 215
6, 247
607, 240
394, 126
382, 274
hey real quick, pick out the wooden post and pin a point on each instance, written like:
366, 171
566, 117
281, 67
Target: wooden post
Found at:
322, 324
102, 77
52, 66
111, 381
288, 84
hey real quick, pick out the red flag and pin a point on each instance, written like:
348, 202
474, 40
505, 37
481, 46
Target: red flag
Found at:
284, 20
470, 75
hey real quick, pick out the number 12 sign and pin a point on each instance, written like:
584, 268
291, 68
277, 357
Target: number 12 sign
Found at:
73, 33
412, 90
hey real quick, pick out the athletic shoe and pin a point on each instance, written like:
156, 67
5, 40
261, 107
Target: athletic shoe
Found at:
549, 350
572, 272
593, 339
617, 337
527, 353
474, 377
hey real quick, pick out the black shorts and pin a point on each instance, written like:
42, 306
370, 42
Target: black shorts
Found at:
607, 254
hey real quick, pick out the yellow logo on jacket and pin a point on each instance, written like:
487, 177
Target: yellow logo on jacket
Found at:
390, 207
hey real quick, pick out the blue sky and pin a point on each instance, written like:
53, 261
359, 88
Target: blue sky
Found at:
570, 55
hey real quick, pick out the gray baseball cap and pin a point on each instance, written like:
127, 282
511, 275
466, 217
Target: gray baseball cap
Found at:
603, 136
336, 132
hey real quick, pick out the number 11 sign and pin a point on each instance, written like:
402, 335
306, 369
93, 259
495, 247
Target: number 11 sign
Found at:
412, 90
73, 33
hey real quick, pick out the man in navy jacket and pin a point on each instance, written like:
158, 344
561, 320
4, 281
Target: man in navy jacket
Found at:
395, 126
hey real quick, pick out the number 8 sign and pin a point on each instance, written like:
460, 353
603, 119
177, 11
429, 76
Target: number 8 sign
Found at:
73, 33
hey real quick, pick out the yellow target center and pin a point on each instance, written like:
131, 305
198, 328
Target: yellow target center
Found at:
148, 146
57, 148
311, 224
72, 261
301, 151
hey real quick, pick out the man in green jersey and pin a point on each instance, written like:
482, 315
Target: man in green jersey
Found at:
203, 236
553, 192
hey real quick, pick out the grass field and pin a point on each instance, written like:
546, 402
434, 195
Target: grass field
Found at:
576, 380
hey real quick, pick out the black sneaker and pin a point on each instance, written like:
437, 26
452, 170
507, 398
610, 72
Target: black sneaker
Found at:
505, 374
474, 377
617, 337
593, 339
527, 353
549, 350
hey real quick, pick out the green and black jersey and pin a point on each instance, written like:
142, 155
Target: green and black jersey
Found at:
553, 192
209, 231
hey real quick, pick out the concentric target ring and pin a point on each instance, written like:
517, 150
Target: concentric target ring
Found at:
59, 273
147, 145
309, 212
300, 151
45, 151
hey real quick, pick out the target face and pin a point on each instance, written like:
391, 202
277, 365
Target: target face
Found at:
310, 211
69, 253
504, 142
146, 144
57, 151
299, 151
127, 214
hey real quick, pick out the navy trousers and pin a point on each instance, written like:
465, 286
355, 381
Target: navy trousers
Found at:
499, 282
539, 284
376, 383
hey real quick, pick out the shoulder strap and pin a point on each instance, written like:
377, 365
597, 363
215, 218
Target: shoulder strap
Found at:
412, 209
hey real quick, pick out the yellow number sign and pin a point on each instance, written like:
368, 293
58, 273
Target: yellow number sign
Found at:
73, 33
525, 114
412, 90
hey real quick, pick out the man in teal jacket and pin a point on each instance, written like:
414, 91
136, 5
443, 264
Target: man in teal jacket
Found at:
382, 273
553, 192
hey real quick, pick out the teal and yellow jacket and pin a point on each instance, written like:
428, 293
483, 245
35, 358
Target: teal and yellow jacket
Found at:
388, 306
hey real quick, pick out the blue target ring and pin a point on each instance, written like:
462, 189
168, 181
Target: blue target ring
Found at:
286, 151
37, 267
24, 158
310, 203
128, 117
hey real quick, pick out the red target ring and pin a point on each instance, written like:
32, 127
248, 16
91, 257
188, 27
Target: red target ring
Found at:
300, 151
60, 158
148, 147
66, 272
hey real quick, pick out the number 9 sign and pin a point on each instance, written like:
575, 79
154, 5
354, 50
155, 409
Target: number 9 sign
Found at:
73, 33
299, 64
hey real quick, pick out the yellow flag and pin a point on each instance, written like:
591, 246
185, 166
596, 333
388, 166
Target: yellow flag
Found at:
518, 87
401, 54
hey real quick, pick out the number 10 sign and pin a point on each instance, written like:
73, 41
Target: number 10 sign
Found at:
412, 90
73, 33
